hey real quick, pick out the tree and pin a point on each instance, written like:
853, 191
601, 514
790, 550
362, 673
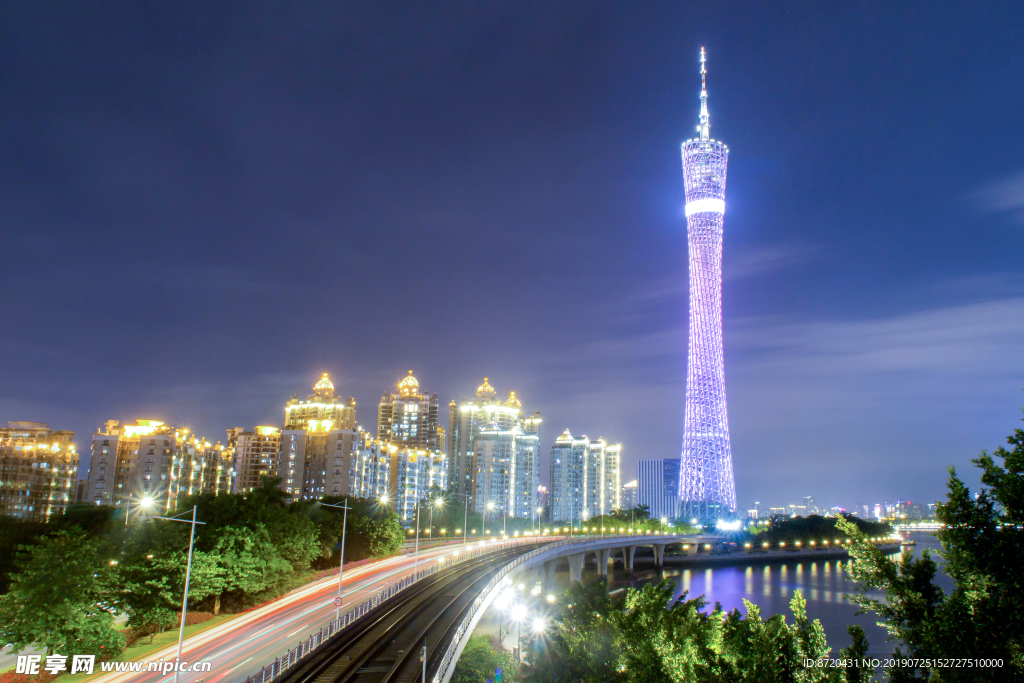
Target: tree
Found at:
63, 597
479, 661
983, 550
646, 637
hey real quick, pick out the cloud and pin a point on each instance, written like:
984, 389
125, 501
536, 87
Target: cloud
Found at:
1003, 195
888, 401
765, 259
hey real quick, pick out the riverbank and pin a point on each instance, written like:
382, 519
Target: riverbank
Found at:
762, 557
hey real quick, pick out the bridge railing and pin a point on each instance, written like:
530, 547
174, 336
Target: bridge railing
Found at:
449, 659
318, 638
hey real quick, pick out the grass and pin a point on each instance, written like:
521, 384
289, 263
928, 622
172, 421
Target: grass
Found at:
141, 648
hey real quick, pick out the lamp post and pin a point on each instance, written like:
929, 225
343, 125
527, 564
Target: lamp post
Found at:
490, 508
663, 521
438, 503
465, 516
341, 563
145, 503
188, 577
416, 557
535, 519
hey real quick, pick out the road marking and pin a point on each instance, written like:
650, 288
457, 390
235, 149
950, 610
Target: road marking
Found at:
294, 632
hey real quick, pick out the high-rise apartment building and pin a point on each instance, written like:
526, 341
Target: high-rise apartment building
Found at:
319, 442
585, 478
628, 498
409, 418
657, 484
371, 472
38, 471
255, 455
323, 404
568, 465
466, 420
602, 478
508, 468
411, 474
706, 488
154, 460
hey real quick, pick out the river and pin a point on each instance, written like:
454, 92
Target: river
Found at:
825, 585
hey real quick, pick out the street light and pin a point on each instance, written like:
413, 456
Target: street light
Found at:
465, 516
145, 503
341, 563
518, 614
438, 503
490, 508
664, 520
188, 577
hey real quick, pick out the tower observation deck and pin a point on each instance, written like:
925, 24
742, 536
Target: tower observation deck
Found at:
706, 485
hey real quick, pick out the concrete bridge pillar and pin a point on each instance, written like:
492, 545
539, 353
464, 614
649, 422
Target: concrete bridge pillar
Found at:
627, 557
576, 567
602, 561
549, 575
659, 555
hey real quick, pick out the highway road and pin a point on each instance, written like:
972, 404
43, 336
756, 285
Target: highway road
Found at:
241, 646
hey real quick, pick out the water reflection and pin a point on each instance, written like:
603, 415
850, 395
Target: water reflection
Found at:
824, 583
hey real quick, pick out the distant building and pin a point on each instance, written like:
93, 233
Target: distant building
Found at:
628, 496
507, 463
585, 477
322, 404
255, 456
568, 463
411, 474
156, 461
409, 418
40, 471
466, 420
658, 486
371, 472
318, 444
776, 512
602, 481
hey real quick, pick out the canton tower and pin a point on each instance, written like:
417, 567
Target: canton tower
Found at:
706, 486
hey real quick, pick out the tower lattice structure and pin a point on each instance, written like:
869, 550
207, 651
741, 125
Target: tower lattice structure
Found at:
706, 485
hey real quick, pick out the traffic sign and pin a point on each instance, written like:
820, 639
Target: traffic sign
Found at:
337, 602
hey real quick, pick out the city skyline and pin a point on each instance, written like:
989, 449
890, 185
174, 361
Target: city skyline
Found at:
172, 236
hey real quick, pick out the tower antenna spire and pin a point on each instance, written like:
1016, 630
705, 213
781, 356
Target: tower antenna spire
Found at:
704, 127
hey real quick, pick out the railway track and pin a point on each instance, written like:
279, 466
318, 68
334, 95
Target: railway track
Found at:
386, 645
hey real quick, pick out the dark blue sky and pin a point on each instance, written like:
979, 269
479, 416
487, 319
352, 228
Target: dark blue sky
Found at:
204, 206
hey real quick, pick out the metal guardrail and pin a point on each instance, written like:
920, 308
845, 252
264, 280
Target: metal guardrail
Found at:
315, 640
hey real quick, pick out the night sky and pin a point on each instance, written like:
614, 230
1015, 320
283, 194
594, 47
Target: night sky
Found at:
205, 206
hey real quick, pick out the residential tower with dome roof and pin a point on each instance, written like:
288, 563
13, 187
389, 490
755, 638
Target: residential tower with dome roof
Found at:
409, 417
494, 453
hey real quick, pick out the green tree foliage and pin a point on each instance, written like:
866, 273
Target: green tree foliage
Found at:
372, 530
983, 552
817, 527
104, 522
479, 660
646, 637
62, 597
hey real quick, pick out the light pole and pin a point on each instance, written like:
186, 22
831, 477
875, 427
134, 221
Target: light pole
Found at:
490, 508
518, 614
341, 563
535, 517
465, 517
188, 577
663, 521
145, 503
438, 503
416, 559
